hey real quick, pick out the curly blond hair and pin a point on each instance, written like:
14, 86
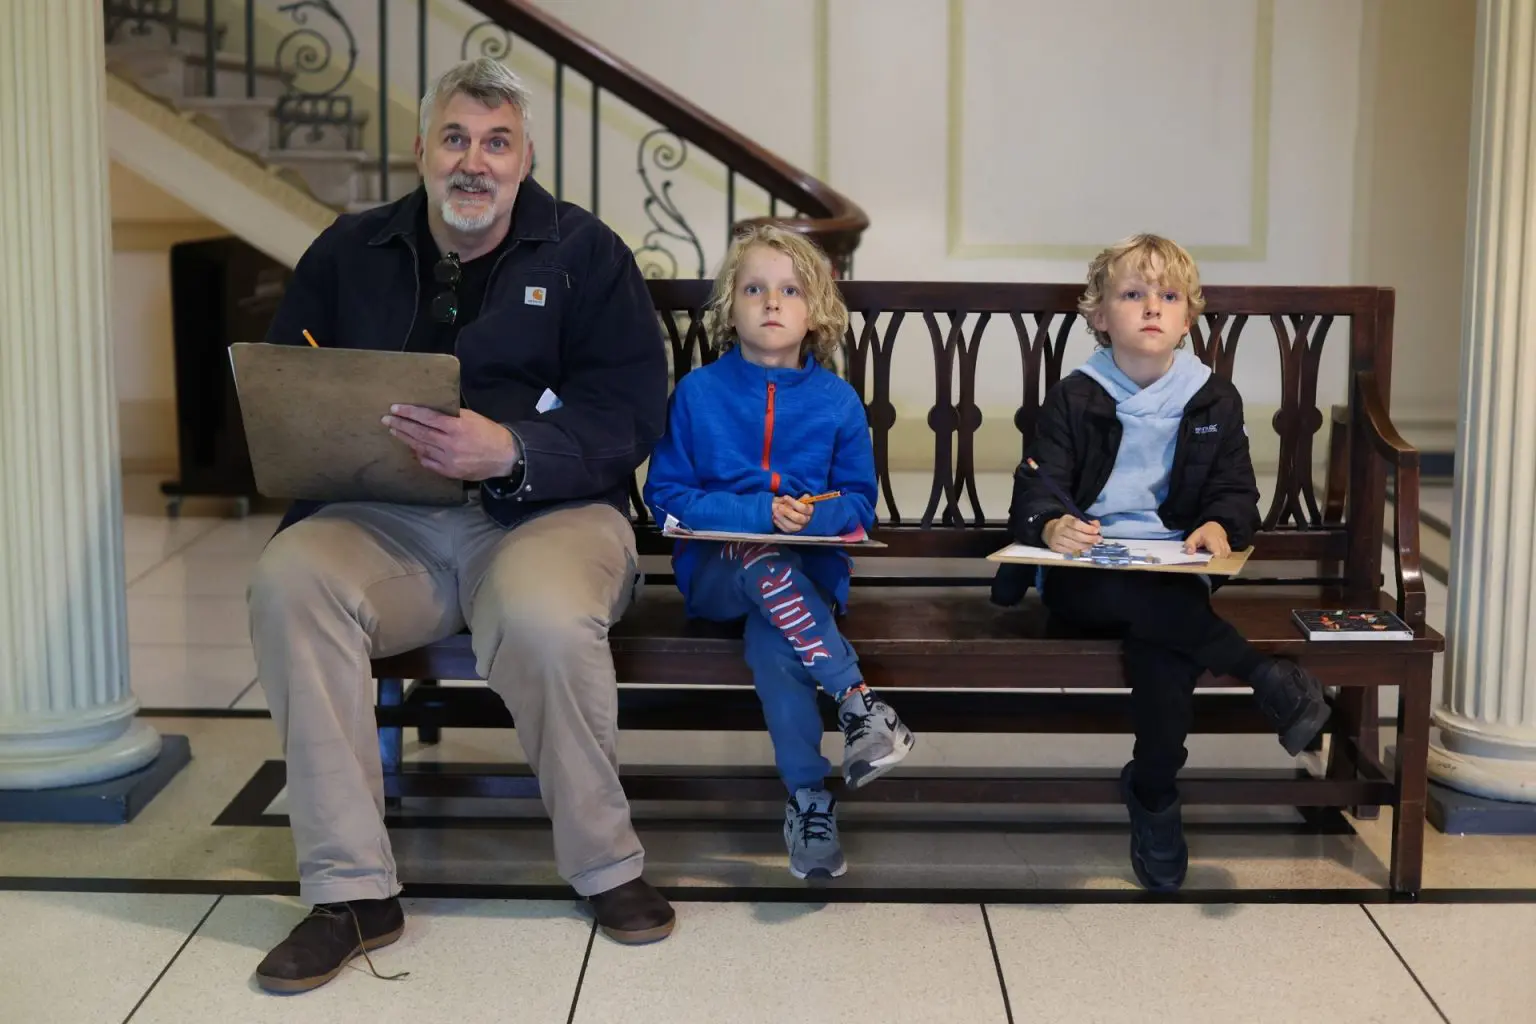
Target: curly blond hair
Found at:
1156, 259
826, 316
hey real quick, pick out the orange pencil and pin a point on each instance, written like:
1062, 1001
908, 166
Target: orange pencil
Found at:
311, 339
823, 497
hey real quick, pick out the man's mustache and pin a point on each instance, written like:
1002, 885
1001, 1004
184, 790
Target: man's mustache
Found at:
475, 182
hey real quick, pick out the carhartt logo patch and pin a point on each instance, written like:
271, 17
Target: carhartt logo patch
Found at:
533, 295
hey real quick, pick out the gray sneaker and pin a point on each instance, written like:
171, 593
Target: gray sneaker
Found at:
810, 833
874, 740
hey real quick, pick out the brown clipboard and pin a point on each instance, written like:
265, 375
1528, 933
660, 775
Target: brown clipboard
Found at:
312, 421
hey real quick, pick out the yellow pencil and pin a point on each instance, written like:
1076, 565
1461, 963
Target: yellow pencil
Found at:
823, 497
311, 339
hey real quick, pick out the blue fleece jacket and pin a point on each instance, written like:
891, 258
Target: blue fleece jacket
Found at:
737, 435
1149, 430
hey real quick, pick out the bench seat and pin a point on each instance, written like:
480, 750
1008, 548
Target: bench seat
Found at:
905, 639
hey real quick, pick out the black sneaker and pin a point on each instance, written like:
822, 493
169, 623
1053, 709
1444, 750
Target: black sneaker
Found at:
327, 940
1159, 855
633, 913
1292, 701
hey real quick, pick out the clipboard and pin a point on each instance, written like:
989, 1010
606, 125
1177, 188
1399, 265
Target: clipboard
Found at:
858, 539
312, 415
1020, 554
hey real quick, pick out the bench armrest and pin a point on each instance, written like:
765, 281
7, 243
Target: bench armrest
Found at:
1404, 460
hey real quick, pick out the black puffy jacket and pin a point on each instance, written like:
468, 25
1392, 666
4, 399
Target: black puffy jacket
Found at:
1076, 439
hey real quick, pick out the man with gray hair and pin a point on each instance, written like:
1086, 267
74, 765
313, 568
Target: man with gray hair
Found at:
564, 387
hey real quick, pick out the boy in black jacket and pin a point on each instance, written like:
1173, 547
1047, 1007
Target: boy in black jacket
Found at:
1150, 444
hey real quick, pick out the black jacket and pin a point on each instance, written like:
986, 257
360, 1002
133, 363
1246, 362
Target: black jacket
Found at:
594, 341
1076, 439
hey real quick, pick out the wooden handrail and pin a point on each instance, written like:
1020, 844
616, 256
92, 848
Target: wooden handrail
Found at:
829, 218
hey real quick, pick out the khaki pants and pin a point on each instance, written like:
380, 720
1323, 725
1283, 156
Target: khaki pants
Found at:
360, 580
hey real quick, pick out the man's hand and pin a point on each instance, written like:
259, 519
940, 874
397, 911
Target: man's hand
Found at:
790, 515
1212, 537
1069, 535
463, 447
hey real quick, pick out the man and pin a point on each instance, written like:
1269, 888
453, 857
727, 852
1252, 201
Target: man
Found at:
564, 386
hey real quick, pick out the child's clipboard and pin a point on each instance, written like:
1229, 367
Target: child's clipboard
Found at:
1142, 556
857, 539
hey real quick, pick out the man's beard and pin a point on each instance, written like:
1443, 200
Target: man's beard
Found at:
466, 222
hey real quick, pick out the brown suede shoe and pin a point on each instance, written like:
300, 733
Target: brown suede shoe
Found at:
327, 940
633, 913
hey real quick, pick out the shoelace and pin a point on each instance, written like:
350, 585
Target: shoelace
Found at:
855, 724
324, 911
815, 825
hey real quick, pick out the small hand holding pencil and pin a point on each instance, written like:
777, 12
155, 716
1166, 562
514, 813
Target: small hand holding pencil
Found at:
1072, 534
791, 515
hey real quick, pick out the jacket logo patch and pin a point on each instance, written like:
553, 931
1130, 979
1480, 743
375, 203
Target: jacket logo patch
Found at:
1209, 428
533, 295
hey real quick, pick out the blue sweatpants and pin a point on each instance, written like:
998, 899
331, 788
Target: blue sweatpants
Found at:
792, 646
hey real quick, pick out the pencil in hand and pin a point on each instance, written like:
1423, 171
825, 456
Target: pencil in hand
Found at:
1056, 490
822, 497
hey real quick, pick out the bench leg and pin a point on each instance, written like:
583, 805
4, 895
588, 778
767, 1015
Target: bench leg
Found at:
391, 738
1411, 777
1355, 719
429, 735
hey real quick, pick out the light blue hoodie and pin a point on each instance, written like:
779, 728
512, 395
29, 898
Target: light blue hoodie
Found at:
1149, 421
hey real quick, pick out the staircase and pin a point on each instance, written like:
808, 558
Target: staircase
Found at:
282, 83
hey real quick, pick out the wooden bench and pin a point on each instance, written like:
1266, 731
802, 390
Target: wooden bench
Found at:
933, 634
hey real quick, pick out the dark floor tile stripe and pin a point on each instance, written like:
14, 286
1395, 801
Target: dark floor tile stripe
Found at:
835, 893
997, 962
172, 962
1400, 959
582, 977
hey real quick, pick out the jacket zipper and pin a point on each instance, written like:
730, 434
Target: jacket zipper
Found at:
773, 478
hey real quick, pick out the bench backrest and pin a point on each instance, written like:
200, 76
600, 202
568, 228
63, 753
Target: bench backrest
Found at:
1343, 533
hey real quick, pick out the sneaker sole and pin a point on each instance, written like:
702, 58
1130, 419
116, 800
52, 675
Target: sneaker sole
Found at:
819, 876
862, 773
292, 986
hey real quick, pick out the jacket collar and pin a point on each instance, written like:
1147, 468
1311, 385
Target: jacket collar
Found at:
737, 366
535, 216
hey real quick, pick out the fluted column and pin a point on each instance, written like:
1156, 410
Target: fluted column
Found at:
1488, 718
66, 711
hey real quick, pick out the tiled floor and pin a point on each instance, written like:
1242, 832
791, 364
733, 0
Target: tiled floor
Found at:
1284, 923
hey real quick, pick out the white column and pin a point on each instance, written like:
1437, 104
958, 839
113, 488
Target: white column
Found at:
1488, 718
66, 712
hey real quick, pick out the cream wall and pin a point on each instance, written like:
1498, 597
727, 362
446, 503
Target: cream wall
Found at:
1411, 196
146, 222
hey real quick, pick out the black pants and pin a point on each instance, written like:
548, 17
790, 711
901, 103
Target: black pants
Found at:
1170, 636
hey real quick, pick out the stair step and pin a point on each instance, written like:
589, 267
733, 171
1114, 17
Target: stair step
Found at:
244, 123
229, 76
343, 177
125, 31
173, 74
360, 156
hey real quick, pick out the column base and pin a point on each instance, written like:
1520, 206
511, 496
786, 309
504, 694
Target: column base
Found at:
114, 802
92, 752
1462, 814
1471, 757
